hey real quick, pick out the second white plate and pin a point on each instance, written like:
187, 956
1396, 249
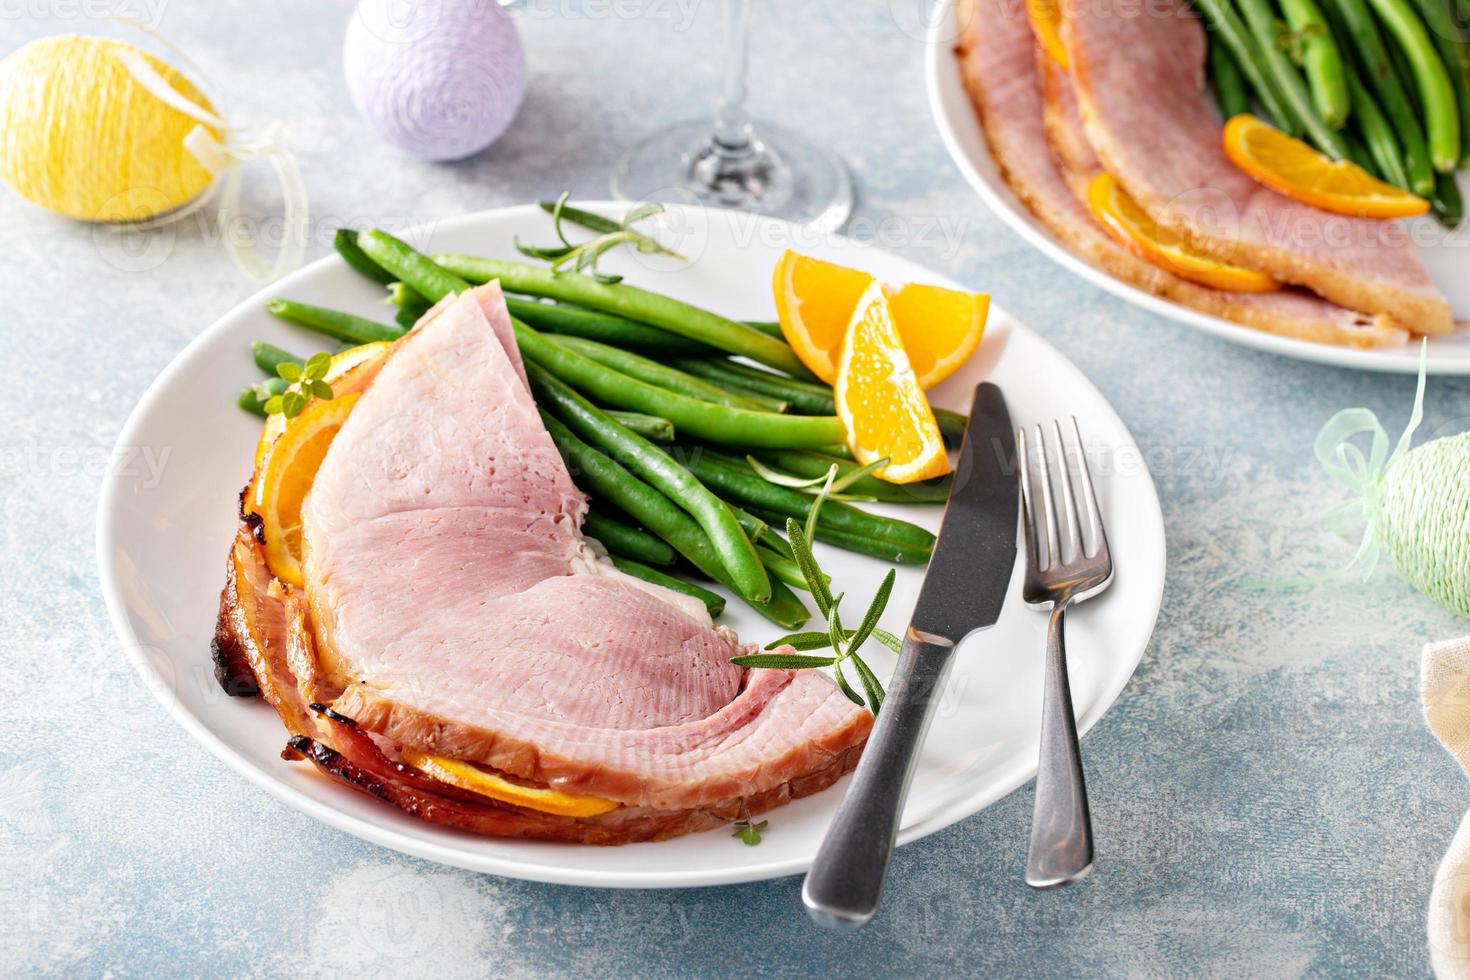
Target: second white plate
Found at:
955, 117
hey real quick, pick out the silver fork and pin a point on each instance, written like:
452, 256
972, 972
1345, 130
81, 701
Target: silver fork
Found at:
1060, 571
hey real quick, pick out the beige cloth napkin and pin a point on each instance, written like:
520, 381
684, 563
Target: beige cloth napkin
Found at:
1445, 687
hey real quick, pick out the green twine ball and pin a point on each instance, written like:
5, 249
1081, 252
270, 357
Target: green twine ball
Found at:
1423, 519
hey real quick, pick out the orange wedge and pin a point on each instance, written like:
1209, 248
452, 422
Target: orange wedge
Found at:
353, 360
879, 398
469, 776
290, 469
1132, 226
1046, 24
815, 301
1289, 166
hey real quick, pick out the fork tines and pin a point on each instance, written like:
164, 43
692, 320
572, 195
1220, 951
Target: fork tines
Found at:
1043, 533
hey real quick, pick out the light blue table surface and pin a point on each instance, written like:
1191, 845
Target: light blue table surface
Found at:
1267, 800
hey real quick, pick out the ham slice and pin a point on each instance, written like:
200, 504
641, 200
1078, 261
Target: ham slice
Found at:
451, 605
1140, 88
999, 61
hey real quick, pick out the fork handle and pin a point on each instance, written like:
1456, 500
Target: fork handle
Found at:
1061, 826
846, 879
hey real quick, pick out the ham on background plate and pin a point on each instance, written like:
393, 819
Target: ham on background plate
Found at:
452, 607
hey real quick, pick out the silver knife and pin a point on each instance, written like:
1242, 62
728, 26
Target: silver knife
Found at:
964, 589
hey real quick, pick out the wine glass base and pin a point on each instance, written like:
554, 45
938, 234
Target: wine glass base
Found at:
780, 173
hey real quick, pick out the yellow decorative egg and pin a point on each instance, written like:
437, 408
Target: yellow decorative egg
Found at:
81, 136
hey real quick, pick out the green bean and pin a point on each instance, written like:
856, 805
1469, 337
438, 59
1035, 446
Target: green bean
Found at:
253, 397
784, 568
345, 242
573, 321
891, 551
406, 318
333, 323
628, 301
1449, 207
1453, 46
412, 268
768, 327
1322, 62
809, 464
660, 471
762, 497
805, 397
1233, 33
1378, 133
268, 357
608, 480
650, 427
1227, 81
1353, 20
1436, 91
626, 541
692, 417
668, 378
1260, 17
713, 601
407, 299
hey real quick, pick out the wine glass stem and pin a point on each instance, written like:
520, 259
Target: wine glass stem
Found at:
732, 136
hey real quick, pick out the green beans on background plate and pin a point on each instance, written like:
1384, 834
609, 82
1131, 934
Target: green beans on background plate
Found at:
660, 471
713, 601
692, 417
669, 378
572, 321
625, 541
628, 301
607, 479
1436, 91
1321, 61
763, 497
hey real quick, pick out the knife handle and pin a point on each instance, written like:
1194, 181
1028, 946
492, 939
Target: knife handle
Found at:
845, 881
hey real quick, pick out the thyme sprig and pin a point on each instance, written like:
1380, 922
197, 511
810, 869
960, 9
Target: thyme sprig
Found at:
750, 833
583, 257
305, 382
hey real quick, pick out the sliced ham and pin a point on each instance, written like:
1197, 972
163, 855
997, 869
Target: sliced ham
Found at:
998, 59
451, 605
1139, 81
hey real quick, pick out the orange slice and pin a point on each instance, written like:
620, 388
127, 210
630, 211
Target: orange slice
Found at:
1132, 226
290, 469
1289, 166
1046, 24
342, 362
880, 401
468, 776
815, 301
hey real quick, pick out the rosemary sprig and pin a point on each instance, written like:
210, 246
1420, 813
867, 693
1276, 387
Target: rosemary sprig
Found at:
843, 642
584, 257
306, 380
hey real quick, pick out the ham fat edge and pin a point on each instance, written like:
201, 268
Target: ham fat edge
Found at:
452, 608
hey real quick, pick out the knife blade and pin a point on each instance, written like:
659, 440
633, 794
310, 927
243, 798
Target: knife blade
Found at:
964, 590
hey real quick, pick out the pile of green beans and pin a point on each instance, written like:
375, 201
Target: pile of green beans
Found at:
655, 417
1384, 83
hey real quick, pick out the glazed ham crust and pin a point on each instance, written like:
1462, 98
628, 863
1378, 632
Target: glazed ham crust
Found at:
998, 60
451, 605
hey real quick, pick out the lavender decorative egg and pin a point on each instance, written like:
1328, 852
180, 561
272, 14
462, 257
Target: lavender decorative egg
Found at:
441, 79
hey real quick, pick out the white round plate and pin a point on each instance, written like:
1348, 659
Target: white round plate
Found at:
162, 545
963, 137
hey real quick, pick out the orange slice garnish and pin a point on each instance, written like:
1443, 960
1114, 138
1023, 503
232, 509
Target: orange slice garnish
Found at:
815, 302
290, 469
1132, 226
879, 398
360, 361
468, 776
1289, 166
1046, 24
